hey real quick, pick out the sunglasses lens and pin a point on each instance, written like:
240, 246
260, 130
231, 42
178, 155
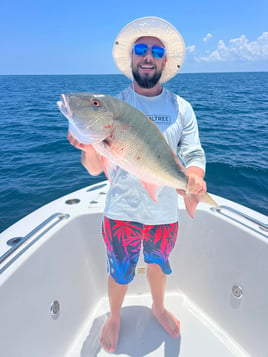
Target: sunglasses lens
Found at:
140, 49
158, 52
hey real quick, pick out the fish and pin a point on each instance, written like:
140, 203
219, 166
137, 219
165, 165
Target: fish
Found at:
125, 137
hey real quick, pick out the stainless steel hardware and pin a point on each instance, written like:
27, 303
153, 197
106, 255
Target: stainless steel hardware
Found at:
260, 228
40, 230
237, 291
55, 309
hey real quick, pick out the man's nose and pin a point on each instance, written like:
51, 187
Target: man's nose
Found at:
148, 55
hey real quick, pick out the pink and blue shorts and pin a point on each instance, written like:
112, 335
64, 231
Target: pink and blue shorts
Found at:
123, 242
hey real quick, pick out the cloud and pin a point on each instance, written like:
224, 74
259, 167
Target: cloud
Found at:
190, 49
207, 37
237, 49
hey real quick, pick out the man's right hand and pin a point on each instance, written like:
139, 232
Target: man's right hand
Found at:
90, 159
78, 145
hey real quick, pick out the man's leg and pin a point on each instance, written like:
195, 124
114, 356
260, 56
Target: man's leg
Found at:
123, 243
110, 331
157, 281
158, 243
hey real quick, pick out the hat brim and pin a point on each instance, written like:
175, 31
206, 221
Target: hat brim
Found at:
155, 27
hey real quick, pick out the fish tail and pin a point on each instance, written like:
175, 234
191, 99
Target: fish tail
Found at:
206, 198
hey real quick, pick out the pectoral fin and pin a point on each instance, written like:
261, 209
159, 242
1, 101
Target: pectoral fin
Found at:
152, 190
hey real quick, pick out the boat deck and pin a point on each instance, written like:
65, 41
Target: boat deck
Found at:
218, 287
141, 335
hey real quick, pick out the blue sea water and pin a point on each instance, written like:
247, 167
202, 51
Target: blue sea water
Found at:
39, 165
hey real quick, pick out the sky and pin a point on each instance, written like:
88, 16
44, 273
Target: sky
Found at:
76, 37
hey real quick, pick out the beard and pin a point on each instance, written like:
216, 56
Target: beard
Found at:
145, 81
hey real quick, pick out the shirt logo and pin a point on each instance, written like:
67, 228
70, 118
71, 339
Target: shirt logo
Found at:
160, 119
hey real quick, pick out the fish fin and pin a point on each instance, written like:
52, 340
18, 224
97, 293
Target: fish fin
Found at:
152, 190
191, 201
206, 198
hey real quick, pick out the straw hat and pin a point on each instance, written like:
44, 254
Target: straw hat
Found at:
149, 26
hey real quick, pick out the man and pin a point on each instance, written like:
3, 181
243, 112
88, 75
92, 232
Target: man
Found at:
149, 51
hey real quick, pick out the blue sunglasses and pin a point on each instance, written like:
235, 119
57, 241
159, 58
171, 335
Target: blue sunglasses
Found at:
140, 49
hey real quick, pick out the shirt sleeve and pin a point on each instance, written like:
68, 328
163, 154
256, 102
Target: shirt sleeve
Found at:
189, 146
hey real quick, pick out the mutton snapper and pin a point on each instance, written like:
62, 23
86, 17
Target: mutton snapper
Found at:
126, 137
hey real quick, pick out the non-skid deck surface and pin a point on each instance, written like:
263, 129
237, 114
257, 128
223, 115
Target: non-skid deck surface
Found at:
141, 335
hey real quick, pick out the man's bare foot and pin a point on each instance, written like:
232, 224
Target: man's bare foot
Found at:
109, 334
167, 321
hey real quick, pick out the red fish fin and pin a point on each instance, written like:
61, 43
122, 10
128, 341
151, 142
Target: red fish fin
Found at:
191, 201
152, 190
107, 166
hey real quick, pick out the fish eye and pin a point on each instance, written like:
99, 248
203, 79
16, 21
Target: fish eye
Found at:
95, 103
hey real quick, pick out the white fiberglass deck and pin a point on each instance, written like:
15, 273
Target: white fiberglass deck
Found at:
141, 334
218, 289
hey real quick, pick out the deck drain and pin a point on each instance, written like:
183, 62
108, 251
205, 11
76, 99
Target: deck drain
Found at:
72, 201
55, 310
237, 291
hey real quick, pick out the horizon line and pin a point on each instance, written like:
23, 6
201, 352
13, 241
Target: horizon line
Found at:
121, 74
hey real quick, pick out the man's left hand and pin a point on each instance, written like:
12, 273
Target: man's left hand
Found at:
196, 184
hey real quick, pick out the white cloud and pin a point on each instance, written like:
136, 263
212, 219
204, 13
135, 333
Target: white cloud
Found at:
237, 49
190, 49
207, 37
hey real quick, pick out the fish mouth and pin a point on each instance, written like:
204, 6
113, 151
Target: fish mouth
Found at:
63, 106
76, 131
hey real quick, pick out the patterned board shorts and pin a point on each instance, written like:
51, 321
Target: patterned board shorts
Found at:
123, 242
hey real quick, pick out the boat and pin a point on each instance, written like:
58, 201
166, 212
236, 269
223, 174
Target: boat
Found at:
53, 284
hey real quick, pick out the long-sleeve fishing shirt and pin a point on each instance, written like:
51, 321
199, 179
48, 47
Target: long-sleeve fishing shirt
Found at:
127, 199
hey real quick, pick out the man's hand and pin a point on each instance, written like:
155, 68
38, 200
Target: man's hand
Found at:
90, 159
78, 145
196, 184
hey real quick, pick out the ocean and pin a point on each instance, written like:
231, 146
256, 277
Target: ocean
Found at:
39, 165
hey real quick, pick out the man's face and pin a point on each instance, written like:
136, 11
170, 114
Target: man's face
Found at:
146, 68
